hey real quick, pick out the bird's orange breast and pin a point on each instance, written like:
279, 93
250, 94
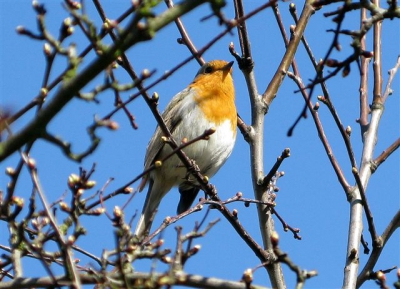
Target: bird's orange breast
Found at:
215, 96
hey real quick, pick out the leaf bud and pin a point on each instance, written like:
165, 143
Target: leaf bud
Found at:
73, 179
367, 54
90, 184
64, 207
19, 202
44, 91
235, 213
145, 73
71, 239
275, 239
20, 29
332, 62
348, 130
10, 171
248, 276
117, 212
47, 49
346, 70
380, 276
98, 211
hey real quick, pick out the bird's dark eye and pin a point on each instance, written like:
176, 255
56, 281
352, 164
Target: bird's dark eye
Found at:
208, 69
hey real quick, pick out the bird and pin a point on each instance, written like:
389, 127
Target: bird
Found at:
208, 102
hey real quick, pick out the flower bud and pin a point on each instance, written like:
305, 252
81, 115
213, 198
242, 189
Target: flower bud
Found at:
20, 29
18, 201
10, 171
31, 163
47, 49
235, 213
248, 276
98, 211
275, 239
75, 5
80, 192
380, 276
117, 212
348, 130
367, 54
128, 190
71, 240
73, 179
70, 30
346, 70
155, 96
158, 164
90, 184
332, 63
64, 206
145, 73
43, 92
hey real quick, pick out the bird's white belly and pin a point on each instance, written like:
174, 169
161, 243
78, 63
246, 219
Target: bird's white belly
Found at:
209, 155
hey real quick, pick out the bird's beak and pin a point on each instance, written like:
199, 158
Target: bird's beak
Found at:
228, 66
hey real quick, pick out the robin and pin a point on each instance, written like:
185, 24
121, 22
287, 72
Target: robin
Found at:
208, 102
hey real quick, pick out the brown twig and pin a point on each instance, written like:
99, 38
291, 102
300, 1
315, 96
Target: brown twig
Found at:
364, 105
113, 280
392, 73
286, 226
242, 31
185, 37
285, 154
385, 154
377, 64
70, 269
321, 133
270, 92
366, 272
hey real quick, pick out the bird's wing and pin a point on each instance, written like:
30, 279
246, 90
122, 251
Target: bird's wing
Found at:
172, 117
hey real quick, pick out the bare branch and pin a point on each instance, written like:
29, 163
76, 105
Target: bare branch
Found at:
133, 34
385, 154
287, 59
364, 104
392, 73
376, 251
185, 37
321, 133
70, 269
195, 281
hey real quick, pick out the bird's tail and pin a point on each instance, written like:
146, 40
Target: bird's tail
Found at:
153, 199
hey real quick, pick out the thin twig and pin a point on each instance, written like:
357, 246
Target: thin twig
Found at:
366, 272
70, 268
364, 105
185, 37
392, 73
385, 154
321, 133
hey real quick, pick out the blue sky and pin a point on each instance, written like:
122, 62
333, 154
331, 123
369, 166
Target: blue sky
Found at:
310, 198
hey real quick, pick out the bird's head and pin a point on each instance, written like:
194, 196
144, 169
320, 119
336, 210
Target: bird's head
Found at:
216, 68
